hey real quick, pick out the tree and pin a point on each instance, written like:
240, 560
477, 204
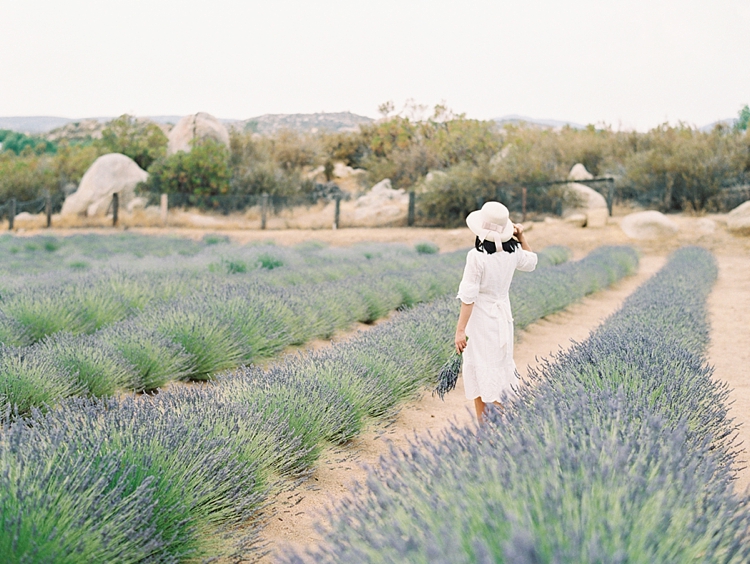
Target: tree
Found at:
18, 142
72, 161
678, 168
141, 140
204, 171
25, 177
743, 119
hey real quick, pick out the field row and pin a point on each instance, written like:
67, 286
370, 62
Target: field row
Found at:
35, 306
621, 451
157, 478
152, 330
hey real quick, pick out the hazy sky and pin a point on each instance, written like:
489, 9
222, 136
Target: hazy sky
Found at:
630, 63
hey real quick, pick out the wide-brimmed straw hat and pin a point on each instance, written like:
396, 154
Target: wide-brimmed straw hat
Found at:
491, 223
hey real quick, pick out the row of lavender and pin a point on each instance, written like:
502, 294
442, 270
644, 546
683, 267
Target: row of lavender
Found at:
35, 306
159, 478
190, 326
621, 452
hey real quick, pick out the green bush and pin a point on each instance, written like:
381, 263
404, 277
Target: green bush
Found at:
18, 142
426, 248
155, 359
99, 368
142, 141
30, 378
200, 173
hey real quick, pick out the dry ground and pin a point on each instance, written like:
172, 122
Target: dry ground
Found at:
729, 351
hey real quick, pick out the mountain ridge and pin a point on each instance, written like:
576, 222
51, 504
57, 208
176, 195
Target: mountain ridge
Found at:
271, 123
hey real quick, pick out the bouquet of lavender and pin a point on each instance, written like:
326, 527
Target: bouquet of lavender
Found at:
448, 375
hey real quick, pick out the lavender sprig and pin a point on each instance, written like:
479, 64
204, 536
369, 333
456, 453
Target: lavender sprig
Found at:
448, 375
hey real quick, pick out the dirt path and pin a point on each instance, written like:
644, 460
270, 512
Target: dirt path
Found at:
299, 510
729, 352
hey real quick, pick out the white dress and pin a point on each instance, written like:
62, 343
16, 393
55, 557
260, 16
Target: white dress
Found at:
488, 368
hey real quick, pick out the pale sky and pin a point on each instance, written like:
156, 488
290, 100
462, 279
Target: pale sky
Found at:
630, 63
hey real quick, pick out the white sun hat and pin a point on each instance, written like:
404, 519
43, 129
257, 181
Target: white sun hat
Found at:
491, 223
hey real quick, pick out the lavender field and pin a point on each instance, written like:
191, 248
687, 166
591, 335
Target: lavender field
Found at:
91, 472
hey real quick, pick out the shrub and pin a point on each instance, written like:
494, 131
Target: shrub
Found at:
142, 141
215, 239
201, 173
99, 368
46, 312
12, 333
213, 344
195, 481
426, 248
155, 359
58, 506
269, 262
29, 378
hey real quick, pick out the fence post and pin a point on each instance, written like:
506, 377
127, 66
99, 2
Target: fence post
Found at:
164, 208
410, 216
610, 195
11, 213
115, 208
48, 209
523, 203
263, 210
337, 213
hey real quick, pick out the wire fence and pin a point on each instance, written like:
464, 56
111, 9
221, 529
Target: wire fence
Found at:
270, 205
520, 200
48, 204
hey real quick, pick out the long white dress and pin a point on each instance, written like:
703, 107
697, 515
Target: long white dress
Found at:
488, 368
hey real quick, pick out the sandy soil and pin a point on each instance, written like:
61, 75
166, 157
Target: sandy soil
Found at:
729, 352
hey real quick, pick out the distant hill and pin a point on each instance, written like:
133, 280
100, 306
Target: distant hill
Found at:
729, 122
34, 124
265, 124
310, 123
268, 123
515, 119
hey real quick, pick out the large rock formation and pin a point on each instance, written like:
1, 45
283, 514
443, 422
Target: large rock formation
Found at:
382, 205
589, 202
738, 220
110, 174
648, 225
579, 172
200, 126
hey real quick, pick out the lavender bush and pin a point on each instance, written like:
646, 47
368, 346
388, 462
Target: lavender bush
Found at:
154, 358
30, 378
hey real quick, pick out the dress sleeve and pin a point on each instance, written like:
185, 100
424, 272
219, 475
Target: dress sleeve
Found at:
526, 260
468, 290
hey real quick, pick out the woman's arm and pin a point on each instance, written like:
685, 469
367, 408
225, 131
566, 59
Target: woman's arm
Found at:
518, 232
463, 319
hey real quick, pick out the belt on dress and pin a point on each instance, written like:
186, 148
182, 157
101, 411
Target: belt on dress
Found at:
501, 311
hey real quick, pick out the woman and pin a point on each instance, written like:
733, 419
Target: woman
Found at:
488, 368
